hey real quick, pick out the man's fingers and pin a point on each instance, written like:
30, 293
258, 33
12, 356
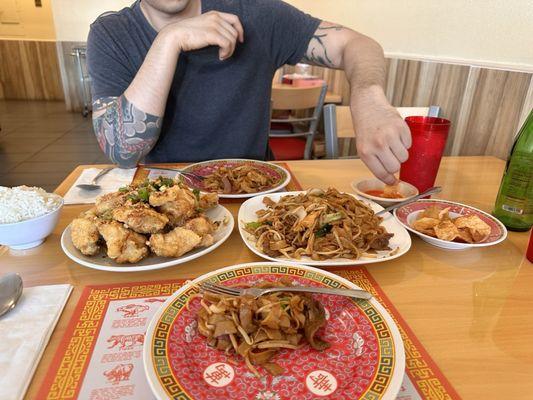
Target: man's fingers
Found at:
377, 168
225, 44
227, 51
400, 152
235, 22
389, 161
405, 136
229, 28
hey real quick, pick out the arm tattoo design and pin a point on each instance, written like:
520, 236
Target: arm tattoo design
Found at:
317, 53
124, 133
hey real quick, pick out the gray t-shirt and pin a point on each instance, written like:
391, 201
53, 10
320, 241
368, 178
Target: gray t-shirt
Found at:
215, 109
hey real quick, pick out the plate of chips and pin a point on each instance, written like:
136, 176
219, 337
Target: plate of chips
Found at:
451, 225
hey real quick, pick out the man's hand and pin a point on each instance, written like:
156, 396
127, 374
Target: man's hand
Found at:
209, 29
383, 137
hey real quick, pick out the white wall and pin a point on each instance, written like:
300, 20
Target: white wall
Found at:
495, 33
21, 20
73, 17
485, 32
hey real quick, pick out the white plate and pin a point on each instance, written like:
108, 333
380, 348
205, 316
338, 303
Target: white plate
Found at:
407, 214
205, 167
104, 263
400, 240
164, 337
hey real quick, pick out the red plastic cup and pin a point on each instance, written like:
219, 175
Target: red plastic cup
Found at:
429, 136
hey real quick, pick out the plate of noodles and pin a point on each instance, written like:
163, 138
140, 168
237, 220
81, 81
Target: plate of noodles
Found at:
278, 346
320, 227
238, 178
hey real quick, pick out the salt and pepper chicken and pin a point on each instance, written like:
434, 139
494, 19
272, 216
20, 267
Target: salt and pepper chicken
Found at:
141, 218
162, 216
123, 244
84, 233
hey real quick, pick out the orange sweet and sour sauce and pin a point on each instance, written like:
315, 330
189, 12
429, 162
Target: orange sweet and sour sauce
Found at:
381, 193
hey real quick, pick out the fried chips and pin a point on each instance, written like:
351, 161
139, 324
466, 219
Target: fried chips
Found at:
436, 222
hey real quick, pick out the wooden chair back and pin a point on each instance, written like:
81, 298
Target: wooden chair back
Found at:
287, 97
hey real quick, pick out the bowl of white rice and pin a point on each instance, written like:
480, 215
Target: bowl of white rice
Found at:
27, 216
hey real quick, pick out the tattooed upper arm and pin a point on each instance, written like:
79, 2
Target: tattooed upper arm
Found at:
124, 133
325, 48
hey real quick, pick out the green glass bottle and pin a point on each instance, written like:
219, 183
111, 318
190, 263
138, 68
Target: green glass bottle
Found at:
514, 205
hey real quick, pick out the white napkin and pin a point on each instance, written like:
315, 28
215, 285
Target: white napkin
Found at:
154, 174
24, 334
110, 182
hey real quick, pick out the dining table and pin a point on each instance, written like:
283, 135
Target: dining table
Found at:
470, 309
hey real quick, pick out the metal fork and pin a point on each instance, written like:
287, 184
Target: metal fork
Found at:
257, 292
190, 175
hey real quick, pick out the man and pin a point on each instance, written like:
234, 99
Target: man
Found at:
190, 80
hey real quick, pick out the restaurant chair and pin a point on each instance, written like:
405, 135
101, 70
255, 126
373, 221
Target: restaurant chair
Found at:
285, 143
338, 124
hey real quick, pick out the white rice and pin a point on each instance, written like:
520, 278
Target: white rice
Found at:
22, 202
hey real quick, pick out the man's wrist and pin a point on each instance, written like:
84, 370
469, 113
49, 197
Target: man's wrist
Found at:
369, 94
170, 37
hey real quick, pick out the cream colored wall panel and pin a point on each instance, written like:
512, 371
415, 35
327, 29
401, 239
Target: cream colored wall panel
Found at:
22, 20
495, 112
73, 18
486, 32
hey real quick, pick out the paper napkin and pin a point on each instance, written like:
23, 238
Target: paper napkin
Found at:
24, 333
110, 182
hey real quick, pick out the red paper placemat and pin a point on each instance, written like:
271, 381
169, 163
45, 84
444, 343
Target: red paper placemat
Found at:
294, 185
100, 355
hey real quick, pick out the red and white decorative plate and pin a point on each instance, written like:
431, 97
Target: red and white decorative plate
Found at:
281, 175
366, 358
406, 215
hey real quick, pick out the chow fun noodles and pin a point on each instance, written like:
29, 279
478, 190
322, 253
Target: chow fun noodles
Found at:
242, 179
318, 224
257, 329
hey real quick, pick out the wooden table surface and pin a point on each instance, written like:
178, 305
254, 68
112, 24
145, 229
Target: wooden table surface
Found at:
472, 310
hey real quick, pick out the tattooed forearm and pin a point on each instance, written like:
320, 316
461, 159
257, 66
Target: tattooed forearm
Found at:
125, 133
317, 52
